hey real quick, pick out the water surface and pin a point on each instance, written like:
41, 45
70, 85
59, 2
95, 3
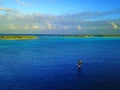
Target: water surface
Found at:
49, 63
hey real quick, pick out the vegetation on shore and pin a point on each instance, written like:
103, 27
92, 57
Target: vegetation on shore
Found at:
20, 37
29, 37
91, 36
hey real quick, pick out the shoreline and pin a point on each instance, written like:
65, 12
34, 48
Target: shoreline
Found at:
17, 37
93, 36
31, 37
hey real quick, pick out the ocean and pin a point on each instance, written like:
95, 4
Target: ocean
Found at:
49, 63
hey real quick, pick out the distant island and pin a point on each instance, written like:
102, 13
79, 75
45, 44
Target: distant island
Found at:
91, 36
19, 37
29, 37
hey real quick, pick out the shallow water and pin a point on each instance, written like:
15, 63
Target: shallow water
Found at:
49, 63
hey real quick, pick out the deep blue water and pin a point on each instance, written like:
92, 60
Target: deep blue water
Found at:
49, 63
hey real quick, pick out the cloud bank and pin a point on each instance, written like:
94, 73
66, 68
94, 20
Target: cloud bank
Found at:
87, 22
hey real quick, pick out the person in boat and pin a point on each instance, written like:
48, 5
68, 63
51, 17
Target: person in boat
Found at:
79, 63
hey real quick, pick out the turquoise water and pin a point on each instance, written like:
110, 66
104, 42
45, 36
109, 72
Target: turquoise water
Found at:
49, 63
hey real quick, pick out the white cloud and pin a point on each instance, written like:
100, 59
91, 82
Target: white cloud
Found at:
26, 26
13, 27
49, 26
65, 27
79, 27
35, 27
115, 26
22, 2
6, 9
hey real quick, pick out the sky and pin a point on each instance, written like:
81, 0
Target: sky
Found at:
59, 16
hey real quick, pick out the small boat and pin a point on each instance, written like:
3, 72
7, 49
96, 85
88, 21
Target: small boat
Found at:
79, 64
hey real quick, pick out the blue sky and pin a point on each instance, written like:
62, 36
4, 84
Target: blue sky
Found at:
61, 6
60, 16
